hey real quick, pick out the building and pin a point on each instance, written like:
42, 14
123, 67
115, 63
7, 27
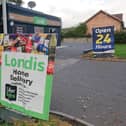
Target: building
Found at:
101, 19
24, 20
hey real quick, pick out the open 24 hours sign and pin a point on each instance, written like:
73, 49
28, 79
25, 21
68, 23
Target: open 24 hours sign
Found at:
103, 39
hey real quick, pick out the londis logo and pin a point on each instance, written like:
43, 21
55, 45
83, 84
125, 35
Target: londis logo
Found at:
29, 64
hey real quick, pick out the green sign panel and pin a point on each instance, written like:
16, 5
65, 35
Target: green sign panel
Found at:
40, 20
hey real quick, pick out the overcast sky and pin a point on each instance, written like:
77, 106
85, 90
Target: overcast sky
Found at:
72, 12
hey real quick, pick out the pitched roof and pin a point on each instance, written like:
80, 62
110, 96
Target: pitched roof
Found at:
120, 16
115, 17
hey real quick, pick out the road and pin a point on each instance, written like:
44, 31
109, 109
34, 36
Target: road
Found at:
94, 91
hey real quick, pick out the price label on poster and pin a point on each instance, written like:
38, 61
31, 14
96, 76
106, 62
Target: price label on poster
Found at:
103, 39
26, 73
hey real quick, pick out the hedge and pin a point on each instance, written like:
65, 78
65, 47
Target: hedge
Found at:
120, 37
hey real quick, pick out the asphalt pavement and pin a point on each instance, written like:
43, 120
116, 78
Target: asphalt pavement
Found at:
94, 91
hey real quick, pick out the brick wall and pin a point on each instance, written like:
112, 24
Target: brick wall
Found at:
102, 20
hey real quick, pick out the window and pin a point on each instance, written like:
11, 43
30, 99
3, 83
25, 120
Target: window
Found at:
52, 30
38, 29
19, 29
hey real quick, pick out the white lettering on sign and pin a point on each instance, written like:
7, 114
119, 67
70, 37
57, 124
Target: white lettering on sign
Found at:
103, 46
105, 30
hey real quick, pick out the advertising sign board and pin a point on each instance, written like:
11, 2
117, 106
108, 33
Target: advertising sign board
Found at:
27, 67
103, 39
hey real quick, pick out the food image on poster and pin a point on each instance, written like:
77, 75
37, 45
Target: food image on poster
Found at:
1, 45
1, 38
32, 43
27, 66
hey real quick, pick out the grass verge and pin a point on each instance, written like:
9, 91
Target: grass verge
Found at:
119, 55
120, 50
53, 121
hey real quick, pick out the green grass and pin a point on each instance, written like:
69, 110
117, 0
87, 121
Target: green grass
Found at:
120, 50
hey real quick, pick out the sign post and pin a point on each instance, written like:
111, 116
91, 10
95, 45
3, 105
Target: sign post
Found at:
4, 10
26, 83
103, 40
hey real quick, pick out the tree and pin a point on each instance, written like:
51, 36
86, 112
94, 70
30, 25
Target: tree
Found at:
81, 29
17, 2
78, 31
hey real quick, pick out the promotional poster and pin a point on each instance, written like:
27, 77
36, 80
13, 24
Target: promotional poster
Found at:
27, 68
103, 39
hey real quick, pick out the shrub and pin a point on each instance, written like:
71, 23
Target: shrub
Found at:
120, 37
